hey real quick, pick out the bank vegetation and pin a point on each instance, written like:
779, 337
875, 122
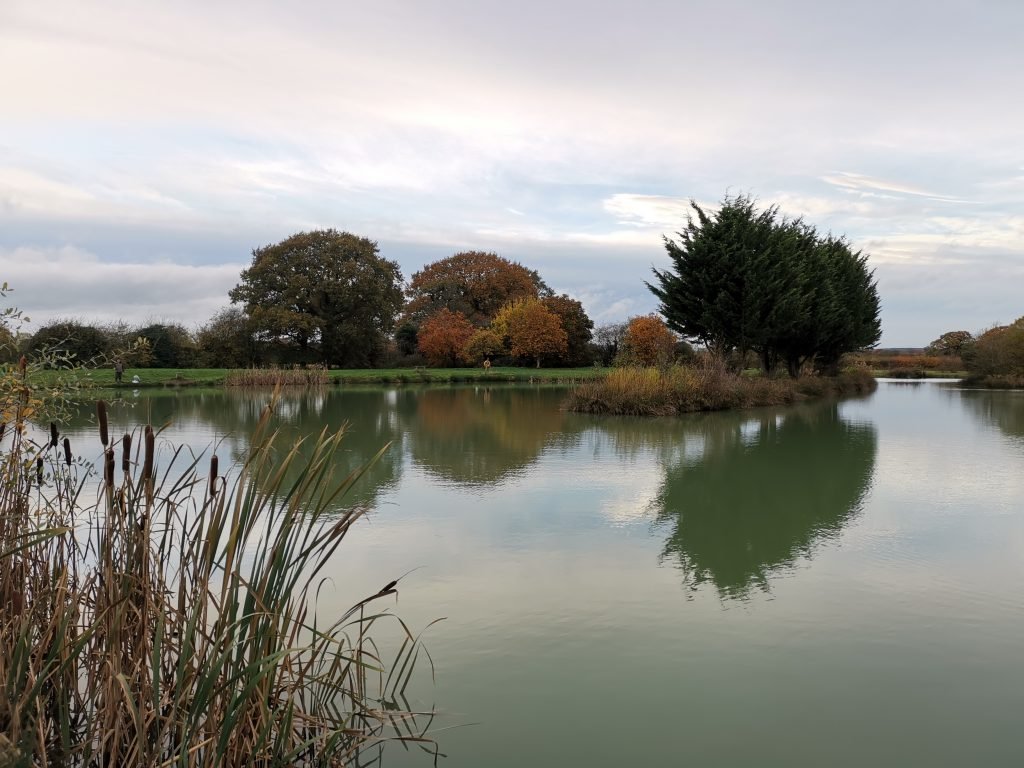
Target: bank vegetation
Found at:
170, 618
705, 386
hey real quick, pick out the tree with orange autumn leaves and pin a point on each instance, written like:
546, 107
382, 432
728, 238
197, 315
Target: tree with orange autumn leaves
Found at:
648, 341
531, 330
476, 305
475, 283
442, 336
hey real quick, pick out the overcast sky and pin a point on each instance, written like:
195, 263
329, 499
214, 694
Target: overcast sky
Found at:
146, 148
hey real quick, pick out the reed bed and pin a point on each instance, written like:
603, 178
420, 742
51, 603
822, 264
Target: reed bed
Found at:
709, 386
995, 381
173, 621
309, 376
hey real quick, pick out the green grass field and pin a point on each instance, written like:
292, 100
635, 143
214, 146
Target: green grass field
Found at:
212, 377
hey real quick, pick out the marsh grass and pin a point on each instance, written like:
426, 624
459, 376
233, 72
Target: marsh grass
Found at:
707, 386
309, 376
172, 621
995, 381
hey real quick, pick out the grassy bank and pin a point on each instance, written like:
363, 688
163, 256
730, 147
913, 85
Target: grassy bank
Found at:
216, 377
653, 392
171, 620
911, 373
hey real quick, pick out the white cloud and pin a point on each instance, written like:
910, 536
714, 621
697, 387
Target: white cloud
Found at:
69, 282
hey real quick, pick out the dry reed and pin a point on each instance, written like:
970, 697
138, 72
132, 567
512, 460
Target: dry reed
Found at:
708, 386
173, 622
309, 376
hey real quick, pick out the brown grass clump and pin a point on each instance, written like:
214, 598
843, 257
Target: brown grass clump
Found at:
173, 622
309, 376
705, 387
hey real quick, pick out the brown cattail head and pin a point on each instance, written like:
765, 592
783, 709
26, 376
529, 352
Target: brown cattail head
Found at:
67, 451
22, 364
213, 474
126, 454
54, 434
101, 417
3, 428
39, 470
108, 467
147, 464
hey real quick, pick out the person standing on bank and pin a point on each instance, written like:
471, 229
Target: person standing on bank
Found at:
118, 371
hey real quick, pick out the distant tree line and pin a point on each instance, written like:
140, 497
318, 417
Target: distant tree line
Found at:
743, 282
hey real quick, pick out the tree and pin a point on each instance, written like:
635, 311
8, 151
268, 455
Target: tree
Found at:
328, 292
170, 345
475, 283
532, 330
405, 339
950, 344
80, 341
999, 351
746, 280
577, 327
607, 341
648, 341
443, 335
482, 345
227, 341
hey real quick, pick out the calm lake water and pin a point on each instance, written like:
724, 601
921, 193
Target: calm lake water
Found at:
831, 584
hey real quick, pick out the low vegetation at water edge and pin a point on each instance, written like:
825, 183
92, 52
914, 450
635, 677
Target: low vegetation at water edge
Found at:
172, 619
707, 387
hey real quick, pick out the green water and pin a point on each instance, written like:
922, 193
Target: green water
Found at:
824, 585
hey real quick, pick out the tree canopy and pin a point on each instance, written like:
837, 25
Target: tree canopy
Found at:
950, 344
999, 351
327, 291
475, 283
531, 330
648, 341
443, 335
744, 279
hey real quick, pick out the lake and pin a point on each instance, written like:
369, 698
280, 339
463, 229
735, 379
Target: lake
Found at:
834, 584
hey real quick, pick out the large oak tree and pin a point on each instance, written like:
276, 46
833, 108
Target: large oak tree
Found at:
328, 292
475, 283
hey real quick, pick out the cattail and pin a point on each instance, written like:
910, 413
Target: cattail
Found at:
147, 464
67, 451
39, 470
108, 467
3, 428
126, 455
213, 475
54, 434
22, 364
101, 416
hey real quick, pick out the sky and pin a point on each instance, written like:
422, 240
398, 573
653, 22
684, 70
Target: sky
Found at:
146, 148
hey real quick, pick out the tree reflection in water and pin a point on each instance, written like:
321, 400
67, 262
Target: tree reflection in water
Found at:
763, 492
480, 436
1002, 409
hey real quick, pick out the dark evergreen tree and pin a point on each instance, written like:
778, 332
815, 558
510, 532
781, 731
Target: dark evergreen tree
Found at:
747, 280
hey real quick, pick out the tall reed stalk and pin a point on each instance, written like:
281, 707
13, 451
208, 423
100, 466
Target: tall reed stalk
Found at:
173, 621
